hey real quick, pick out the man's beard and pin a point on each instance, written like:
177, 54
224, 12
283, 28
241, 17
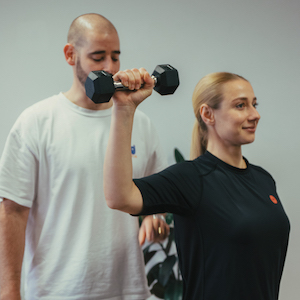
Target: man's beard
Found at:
81, 75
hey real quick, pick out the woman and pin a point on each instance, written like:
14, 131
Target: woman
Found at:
230, 227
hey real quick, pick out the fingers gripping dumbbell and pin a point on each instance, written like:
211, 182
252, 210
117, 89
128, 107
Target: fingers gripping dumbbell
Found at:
100, 87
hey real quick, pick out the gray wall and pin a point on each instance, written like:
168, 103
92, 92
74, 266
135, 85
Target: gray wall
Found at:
258, 39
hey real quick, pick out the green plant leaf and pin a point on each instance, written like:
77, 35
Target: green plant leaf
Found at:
170, 241
169, 218
166, 269
146, 249
153, 273
178, 156
148, 256
173, 290
158, 290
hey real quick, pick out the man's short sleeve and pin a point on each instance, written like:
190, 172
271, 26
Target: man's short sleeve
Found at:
19, 164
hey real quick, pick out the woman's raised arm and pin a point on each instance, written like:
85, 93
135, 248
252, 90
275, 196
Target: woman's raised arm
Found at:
120, 191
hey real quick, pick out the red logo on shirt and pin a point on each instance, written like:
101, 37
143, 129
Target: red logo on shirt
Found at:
273, 199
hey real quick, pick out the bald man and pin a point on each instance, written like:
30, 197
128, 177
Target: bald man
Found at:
52, 210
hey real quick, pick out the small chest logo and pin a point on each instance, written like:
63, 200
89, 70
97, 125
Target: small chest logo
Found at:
273, 199
133, 151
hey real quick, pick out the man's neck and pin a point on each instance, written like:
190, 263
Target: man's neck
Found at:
78, 97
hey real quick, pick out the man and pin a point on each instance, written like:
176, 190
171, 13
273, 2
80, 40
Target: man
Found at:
52, 193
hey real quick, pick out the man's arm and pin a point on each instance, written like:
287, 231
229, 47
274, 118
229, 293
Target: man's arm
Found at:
13, 220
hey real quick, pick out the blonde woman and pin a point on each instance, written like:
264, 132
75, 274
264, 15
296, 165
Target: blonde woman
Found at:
231, 229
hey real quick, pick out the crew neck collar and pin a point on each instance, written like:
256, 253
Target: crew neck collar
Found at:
225, 165
84, 111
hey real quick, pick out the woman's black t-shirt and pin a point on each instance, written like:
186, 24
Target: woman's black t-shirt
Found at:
231, 230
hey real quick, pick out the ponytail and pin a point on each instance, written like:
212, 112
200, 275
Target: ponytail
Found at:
195, 145
199, 139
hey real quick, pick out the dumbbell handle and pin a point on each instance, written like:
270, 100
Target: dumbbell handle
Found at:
119, 86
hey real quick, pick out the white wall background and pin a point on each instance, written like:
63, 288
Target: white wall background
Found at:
259, 39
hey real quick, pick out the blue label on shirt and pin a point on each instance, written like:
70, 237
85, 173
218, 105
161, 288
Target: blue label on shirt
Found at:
133, 150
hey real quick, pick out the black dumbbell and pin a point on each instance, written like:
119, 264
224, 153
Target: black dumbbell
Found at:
100, 87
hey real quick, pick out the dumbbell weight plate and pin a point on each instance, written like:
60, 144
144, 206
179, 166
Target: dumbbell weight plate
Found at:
99, 86
167, 79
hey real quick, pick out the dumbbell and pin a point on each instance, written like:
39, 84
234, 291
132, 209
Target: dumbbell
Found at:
100, 87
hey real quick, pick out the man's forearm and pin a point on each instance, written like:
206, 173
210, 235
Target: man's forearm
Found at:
12, 242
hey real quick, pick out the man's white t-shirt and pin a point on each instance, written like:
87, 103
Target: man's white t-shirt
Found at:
76, 247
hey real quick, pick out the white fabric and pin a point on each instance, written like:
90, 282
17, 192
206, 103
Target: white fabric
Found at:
76, 247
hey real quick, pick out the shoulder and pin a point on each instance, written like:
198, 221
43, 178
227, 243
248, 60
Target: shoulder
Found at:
28, 120
197, 167
262, 172
40, 108
204, 165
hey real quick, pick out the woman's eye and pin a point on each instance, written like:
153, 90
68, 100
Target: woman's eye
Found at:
255, 105
241, 105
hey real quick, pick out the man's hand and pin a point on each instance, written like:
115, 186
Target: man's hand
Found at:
154, 228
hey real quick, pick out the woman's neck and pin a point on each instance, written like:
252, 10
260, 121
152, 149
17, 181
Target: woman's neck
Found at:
231, 155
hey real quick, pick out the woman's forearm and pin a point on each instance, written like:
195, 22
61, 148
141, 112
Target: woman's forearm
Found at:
120, 191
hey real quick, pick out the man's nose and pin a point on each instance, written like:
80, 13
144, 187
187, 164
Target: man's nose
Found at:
108, 66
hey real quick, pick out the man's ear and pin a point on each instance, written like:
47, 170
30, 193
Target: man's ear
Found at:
207, 114
69, 52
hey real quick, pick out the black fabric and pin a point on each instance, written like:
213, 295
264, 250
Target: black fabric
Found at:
231, 237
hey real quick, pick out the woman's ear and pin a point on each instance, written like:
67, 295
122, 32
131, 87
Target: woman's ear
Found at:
69, 52
207, 114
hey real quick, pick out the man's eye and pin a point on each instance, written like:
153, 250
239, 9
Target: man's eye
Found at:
98, 59
115, 59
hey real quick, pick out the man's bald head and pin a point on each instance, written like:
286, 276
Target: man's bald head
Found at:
86, 23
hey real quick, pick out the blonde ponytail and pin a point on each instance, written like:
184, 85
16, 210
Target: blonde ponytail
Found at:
199, 141
195, 145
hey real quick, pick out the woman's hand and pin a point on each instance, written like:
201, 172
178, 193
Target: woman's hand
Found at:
139, 84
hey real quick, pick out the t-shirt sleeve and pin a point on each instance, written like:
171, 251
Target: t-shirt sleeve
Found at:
177, 190
18, 165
